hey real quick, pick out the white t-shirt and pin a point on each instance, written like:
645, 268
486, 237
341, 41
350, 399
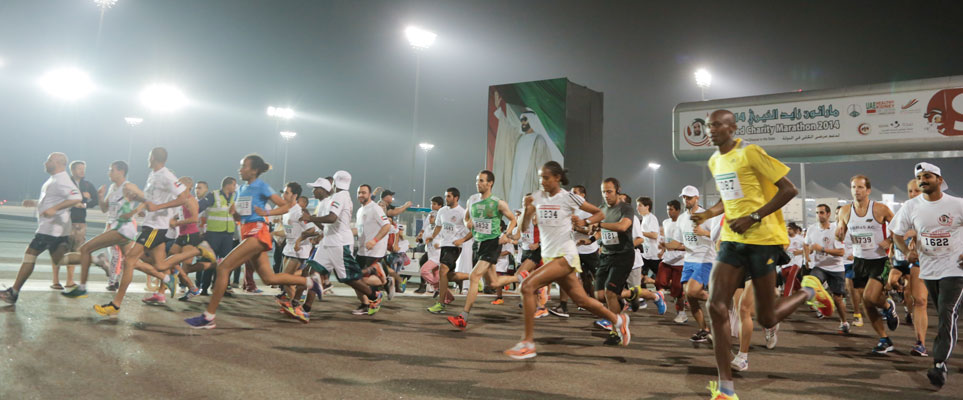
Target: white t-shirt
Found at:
293, 228
938, 238
338, 233
502, 264
698, 248
115, 200
650, 224
57, 189
527, 239
452, 221
796, 244
826, 238
162, 187
554, 215
432, 248
174, 231
583, 249
671, 257
637, 234
371, 217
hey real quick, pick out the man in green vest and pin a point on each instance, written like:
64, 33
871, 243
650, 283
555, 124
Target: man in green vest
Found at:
220, 226
484, 218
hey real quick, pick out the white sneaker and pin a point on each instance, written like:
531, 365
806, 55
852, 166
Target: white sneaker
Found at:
771, 337
642, 304
739, 364
681, 318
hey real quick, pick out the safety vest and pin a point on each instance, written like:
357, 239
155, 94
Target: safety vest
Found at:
218, 215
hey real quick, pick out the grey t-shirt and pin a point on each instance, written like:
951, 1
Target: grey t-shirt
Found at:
613, 241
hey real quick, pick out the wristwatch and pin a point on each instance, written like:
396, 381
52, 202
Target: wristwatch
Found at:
755, 217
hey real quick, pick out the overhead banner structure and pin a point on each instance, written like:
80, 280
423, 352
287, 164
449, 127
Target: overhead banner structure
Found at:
910, 119
531, 123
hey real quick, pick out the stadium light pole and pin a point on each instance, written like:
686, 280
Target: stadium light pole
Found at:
703, 80
131, 122
655, 168
287, 135
424, 179
420, 40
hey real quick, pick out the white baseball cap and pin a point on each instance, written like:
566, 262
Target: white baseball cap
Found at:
342, 180
322, 183
690, 191
927, 167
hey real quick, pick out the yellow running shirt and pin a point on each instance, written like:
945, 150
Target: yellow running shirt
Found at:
745, 178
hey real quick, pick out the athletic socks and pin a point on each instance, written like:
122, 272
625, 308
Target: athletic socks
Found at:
810, 293
208, 316
727, 387
308, 283
743, 355
82, 286
464, 315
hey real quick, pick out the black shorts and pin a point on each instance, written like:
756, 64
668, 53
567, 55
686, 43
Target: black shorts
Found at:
365, 261
650, 267
449, 256
487, 251
534, 255
903, 267
190, 239
151, 238
614, 270
864, 270
757, 259
835, 280
590, 263
43, 243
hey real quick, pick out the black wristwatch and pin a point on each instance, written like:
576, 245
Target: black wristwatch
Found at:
755, 217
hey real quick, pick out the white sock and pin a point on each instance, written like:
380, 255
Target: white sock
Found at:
82, 286
167, 278
208, 316
308, 282
742, 355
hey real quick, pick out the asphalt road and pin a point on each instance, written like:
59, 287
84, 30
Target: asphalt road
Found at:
55, 347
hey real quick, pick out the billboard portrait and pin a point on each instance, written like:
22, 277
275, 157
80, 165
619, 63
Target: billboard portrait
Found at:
526, 129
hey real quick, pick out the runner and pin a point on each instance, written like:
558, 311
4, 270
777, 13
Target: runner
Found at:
555, 207
864, 222
450, 232
588, 255
826, 254
670, 269
252, 198
121, 229
57, 195
936, 218
373, 227
855, 294
429, 269
754, 188
484, 221
295, 252
649, 224
915, 291
698, 242
78, 220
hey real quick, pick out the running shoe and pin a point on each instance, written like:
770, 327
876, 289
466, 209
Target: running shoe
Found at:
937, 375
282, 299
172, 285
206, 251
892, 318
254, 290
660, 302
106, 310
403, 285
857, 320
190, 295
604, 324
458, 322
772, 336
361, 310
112, 286
9, 296
558, 311
819, 314
612, 339
919, 350
375, 305
885, 345
739, 363
390, 283
498, 302
643, 304
297, 313
908, 320
522, 275
317, 286
522, 351
541, 312
681, 317
200, 322
844, 327
74, 292
622, 327
155, 299
717, 394
702, 336
822, 300
438, 308
542, 296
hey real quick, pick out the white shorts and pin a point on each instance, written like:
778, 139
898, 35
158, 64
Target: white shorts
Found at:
635, 278
464, 260
300, 255
502, 266
569, 252
128, 230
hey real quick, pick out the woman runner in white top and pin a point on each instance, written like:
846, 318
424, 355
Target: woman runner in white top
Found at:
554, 208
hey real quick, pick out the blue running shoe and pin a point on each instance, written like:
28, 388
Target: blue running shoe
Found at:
660, 302
892, 318
884, 346
199, 322
318, 286
604, 324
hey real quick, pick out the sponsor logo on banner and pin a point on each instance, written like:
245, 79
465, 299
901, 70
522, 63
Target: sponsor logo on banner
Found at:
910, 104
880, 107
853, 110
864, 129
696, 133
945, 112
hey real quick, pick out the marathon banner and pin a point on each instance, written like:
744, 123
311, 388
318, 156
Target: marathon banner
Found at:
821, 126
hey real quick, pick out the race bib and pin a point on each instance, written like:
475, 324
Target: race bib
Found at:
729, 187
113, 208
243, 205
863, 240
483, 226
550, 216
448, 227
935, 243
691, 239
527, 237
288, 230
610, 238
